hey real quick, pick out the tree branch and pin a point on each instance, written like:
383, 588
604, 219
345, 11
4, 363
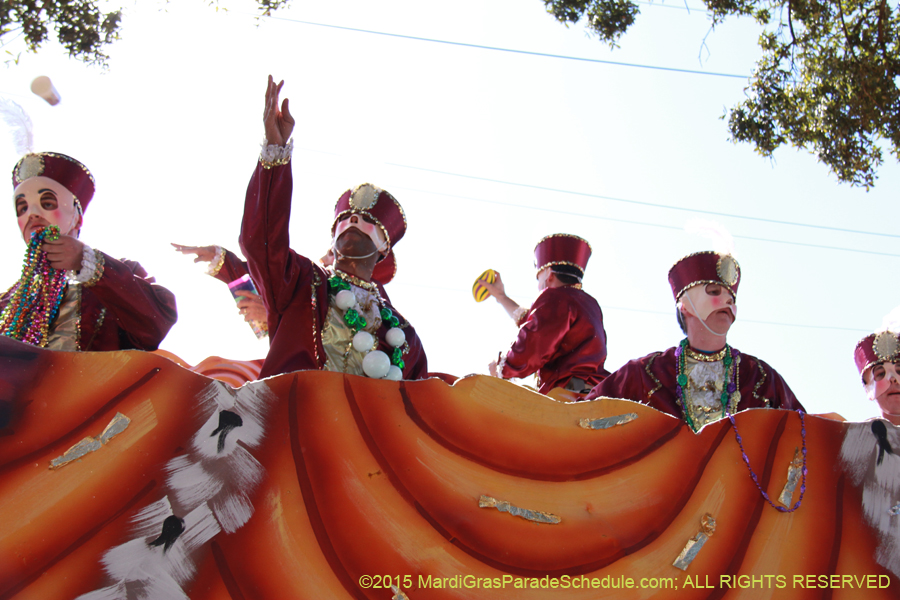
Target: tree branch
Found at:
844, 27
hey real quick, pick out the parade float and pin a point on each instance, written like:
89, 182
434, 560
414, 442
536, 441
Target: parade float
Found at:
127, 475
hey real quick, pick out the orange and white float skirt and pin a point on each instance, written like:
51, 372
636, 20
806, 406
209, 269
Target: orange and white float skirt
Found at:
125, 475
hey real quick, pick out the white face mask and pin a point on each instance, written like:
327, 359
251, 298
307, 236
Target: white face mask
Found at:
370, 229
41, 201
878, 384
702, 304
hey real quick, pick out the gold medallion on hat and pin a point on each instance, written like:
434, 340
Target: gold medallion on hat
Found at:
30, 166
728, 270
364, 197
886, 346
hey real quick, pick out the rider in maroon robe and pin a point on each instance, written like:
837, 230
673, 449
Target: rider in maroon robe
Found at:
561, 337
309, 328
108, 304
712, 373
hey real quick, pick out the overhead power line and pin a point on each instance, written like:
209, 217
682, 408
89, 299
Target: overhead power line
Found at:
650, 204
627, 221
508, 50
643, 223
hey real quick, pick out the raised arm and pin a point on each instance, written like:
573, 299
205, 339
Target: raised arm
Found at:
265, 240
498, 291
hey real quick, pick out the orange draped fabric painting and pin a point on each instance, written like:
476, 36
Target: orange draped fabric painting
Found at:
125, 475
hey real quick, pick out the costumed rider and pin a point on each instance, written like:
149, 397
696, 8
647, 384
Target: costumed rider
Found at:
877, 357
71, 296
703, 375
561, 337
333, 319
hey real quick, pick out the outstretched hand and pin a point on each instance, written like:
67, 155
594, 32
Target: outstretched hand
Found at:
279, 124
204, 253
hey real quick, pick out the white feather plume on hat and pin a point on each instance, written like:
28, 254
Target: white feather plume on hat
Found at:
19, 124
891, 321
723, 242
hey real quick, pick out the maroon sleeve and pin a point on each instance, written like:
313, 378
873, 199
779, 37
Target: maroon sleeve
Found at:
628, 383
232, 268
143, 310
539, 337
776, 389
416, 364
275, 268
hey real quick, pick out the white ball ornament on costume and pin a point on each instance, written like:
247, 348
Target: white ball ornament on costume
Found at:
394, 373
345, 299
363, 341
395, 337
376, 364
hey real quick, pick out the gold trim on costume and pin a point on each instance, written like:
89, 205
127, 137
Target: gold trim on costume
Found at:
30, 165
652, 376
214, 269
555, 235
728, 270
365, 199
886, 346
268, 164
100, 319
701, 357
366, 285
559, 262
315, 320
99, 261
759, 383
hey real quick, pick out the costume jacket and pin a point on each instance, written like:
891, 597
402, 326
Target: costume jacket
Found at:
651, 381
562, 337
124, 310
294, 289
231, 268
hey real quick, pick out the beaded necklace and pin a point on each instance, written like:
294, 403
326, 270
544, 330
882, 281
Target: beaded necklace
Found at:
37, 295
376, 364
728, 358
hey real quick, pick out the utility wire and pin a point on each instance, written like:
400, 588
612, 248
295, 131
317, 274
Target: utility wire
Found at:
644, 223
508, 50
651, 204
627, 221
